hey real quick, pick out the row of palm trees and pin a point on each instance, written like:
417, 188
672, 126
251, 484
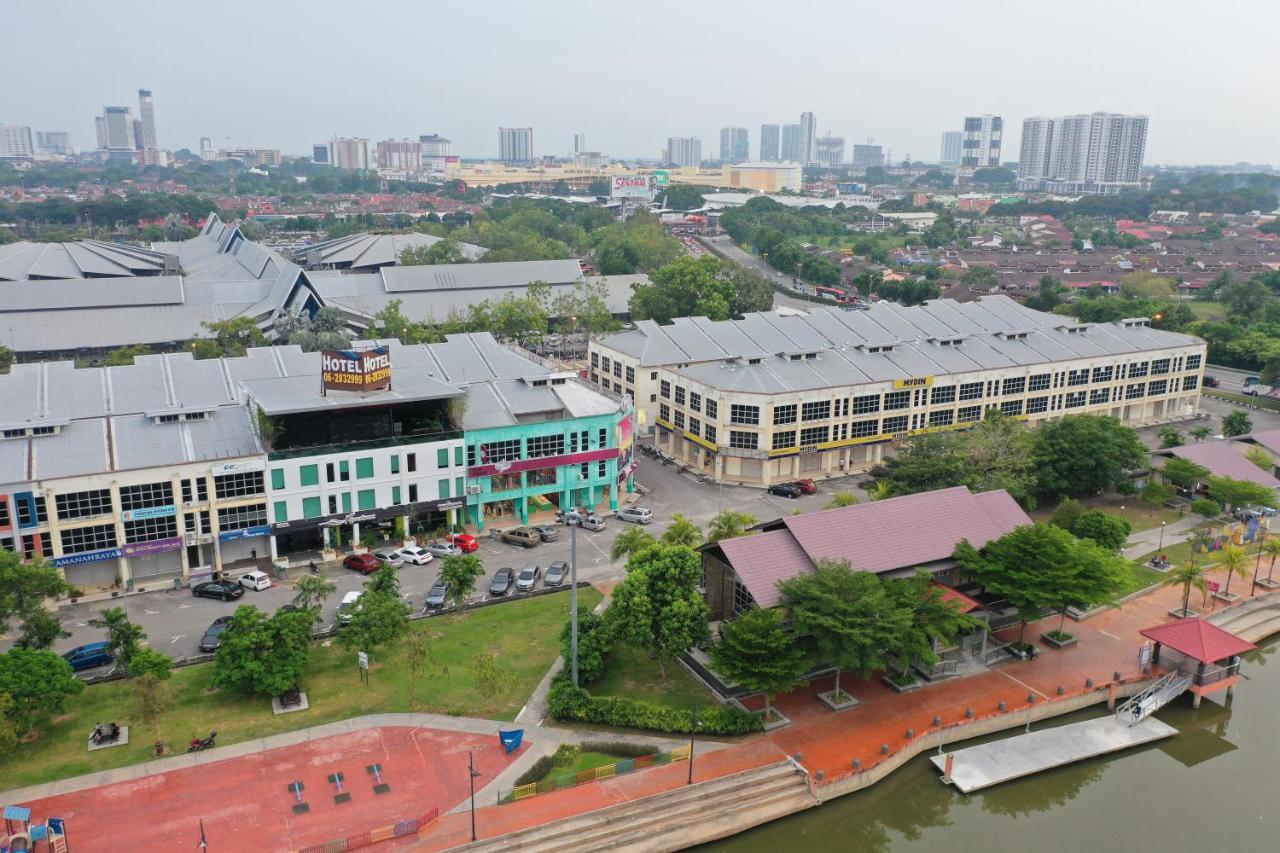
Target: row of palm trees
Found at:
1233, 558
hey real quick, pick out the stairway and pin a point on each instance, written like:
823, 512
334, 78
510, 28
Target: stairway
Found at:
1153, 698
672, 820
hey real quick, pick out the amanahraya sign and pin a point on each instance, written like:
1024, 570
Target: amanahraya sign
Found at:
631, 186
355, 370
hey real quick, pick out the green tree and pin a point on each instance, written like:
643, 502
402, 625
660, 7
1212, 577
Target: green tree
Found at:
630, 541
1105, 529
1067, 514
994, 454
1237, 422
24, 588
1187, 576
9, 730
490, 676
682, 532
1235, 494
847, 615
1155, 494
729, 524
444, 251
125, 355
1183, 473
263, 654
1171, 437
756, 652
1206, 508
842, 499
386, 581
1271, 547
751, 290
657, 607
38, 682
234, 337
682, 197
380, 618
686, 287
595, 641
979, 277
7, 358
460, 573
151, 700
311, 591
1236, 562
1261, 458
1084, 454
123, 637
932, 620
421, 658
151, 662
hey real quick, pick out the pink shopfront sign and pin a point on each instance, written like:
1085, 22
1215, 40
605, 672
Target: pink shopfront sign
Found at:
543, 462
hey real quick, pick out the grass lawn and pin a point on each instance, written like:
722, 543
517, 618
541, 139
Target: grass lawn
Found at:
1140, 577
631, 673
525, 635
1139, 516
586, 761
1207, 310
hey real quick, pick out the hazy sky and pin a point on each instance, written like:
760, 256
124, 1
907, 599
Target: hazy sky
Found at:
284, 74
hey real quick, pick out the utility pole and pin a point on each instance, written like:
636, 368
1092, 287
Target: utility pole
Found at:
573, 601
471, 762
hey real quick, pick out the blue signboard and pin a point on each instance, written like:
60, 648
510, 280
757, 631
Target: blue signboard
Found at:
148, 512
245, 533
87, 557
25, 506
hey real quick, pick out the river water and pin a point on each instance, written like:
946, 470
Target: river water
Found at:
1212, 788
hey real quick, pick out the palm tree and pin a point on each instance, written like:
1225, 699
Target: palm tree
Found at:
880, 491
310, 592
682, 532
840, 499
1271, 547
1188, 576
1236, 562
630, 541
1200, 433
123, 636
728, 524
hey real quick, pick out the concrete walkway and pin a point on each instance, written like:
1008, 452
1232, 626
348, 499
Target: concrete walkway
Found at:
1146, 541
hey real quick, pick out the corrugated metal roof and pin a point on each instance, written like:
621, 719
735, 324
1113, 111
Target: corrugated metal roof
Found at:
24, 260
479, 276
370, 251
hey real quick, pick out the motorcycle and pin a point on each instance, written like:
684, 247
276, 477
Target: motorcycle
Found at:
110, 733
202, 743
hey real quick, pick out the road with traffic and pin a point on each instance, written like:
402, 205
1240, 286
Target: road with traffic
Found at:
723, 245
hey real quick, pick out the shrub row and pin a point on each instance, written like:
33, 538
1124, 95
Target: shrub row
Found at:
618, 748
540, 768
567, 702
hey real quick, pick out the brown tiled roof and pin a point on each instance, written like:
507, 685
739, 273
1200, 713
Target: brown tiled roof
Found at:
1198, 639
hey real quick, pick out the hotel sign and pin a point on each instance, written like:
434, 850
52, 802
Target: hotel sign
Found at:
355, 370
917, 382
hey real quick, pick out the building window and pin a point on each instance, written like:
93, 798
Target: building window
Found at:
784, 414
617, 369
820, 411
679, 420
1190, 383
1193, 362
604, 438
742, 600
344, 470
695, 426
631, 376
333, 504
664, 412
151, 529
442, 457
280, 511
364, 468
443, 489
83, 504
743, 440
595, 359
411, 462
664, 390
29, 546
968, 414
1157, 387
310, 507
413, 493
1138, 369
199, 522
1160, 366
941, 418
202, 490
395, 463
244, 517
897, 400
814, 435
680, 393
234, 485
1016, 385
457, 455
84, 539
1037, 404
1099, 395
1039, 382
895, 425
499, 451
866, 405
863, 429
1078, 377
1133, 392
784, 440
740, 414
4, 513
1103, 374
602, 468
366, 499
1075, 399
604, 363
545, 445
971, 391
277, 480
1013, 407
943, 395
695, 401
709, 433
713, 411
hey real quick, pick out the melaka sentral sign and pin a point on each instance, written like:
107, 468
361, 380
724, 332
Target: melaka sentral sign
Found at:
355, 370
632, 186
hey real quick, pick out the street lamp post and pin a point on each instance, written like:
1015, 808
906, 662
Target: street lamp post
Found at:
471, 762
573, 601
1160, 547
1257, 565
693, 728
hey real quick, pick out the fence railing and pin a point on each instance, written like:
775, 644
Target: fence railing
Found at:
399, 829
582, 777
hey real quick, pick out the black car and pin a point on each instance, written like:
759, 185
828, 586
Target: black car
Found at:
547, 532
556, 573
437, 595
213, 637
786, 490
225, 590
1211, 381
501, 583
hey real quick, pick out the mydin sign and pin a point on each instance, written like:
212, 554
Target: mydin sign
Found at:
355, 370
631, 186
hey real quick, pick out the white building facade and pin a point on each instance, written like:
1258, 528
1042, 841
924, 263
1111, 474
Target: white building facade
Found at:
1088, 153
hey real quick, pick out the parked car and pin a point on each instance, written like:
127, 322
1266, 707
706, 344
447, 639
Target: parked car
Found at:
437, 596
465, 541
365, 564
556, 573
212, 638
415, 556
528, 578
570, 515
501, 582
786, 490
636, 515
806, 487
546, 532
224, 589
347, 607
255, 580
89, 656
526, 536
443, 549
592, 522
388, 557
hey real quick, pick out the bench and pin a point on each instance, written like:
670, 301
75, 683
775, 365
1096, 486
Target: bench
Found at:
291, 697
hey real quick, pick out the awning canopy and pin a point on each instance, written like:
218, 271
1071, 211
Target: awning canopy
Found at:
967, 603
1198, 639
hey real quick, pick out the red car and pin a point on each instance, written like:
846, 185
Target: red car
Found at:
806, 486
365, 564
465, 542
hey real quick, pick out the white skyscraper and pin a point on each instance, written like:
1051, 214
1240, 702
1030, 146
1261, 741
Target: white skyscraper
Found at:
434, 145
349, 153
980, 147
147, 120
515, 144
116, 129
951, 148
1085, 153
769, 139
790, 147
734, 147
684, 150
829, 150
808, 135
15, 141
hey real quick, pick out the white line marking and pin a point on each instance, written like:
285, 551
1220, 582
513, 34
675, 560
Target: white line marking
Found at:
1107, 634
150, 612
176, 639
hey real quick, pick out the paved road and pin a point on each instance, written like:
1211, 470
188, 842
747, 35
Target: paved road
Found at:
1229, 378
725, 246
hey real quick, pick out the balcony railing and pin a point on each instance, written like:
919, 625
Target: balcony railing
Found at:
369, 444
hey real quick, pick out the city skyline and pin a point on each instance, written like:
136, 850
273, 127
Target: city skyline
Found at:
469, 110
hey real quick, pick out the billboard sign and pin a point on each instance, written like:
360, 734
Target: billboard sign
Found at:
355, 370
661, 178
631, 186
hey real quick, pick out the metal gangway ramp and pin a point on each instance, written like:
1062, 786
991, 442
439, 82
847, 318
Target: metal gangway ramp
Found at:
1154, 697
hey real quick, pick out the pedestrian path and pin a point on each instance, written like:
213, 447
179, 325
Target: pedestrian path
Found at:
1145, 541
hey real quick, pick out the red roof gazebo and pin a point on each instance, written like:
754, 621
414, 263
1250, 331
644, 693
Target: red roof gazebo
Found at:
1216, 652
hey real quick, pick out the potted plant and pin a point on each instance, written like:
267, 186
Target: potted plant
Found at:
901, 682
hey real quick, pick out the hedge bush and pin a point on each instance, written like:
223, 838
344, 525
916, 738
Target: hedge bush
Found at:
567, 702
540, 768
618, 748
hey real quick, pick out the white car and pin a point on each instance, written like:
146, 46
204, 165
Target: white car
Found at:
387, 557
347, 608
415, 556
255, 580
